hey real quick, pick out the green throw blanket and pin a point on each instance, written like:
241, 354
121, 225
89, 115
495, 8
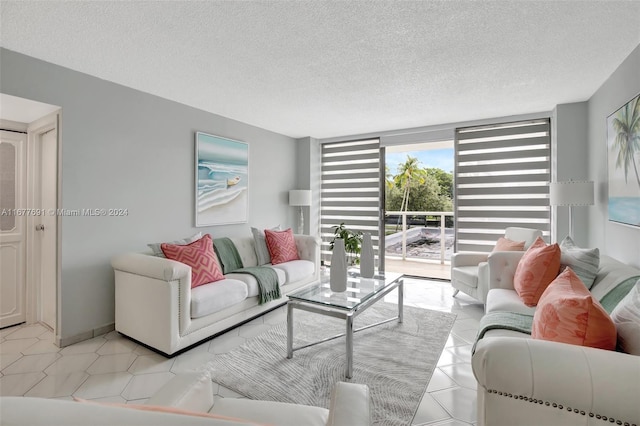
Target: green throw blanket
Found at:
504, 321
268, 288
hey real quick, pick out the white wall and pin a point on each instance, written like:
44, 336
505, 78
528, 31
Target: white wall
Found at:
616, 240
122, 148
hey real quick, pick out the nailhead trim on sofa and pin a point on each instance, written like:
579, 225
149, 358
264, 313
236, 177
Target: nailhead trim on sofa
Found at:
561, 407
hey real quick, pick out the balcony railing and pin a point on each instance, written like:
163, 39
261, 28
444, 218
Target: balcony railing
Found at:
443, 238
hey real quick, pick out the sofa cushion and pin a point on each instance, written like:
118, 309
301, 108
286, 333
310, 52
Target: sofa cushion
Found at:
584, 262
626, 317
295, 270
467, 275
252, 284
535, 271
567, 313
210, 298
200, 256
505, 244
506, 300
271, 412
281, 245
157, 251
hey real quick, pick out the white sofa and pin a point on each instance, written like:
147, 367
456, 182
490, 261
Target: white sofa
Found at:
523, 381
349, 406
155, 304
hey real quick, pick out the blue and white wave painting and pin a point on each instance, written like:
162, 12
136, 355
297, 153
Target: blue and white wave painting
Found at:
219, 183
625, 210
222, 177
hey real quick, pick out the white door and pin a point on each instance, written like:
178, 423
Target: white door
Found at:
12, 227
47, 229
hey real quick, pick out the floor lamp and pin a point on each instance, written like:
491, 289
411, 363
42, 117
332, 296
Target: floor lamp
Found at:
300, 198
571, 193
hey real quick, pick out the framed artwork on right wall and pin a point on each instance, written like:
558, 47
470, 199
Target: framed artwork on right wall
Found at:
623, 149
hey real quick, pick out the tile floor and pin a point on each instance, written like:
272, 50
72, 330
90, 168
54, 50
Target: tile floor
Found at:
113, 368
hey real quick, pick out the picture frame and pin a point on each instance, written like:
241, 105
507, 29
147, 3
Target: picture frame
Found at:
221, 180
623, 163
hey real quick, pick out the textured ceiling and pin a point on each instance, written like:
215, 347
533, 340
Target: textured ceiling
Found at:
326, 69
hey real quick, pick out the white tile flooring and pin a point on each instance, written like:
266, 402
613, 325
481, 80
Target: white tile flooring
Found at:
113, 368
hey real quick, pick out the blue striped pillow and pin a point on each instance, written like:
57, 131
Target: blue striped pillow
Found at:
584, 262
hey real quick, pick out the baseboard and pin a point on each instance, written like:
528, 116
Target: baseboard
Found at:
85, 335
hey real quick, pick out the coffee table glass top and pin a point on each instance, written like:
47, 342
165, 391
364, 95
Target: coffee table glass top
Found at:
358, 290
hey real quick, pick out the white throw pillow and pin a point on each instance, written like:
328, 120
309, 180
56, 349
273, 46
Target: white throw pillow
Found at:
584, 262
626, 317
260, 242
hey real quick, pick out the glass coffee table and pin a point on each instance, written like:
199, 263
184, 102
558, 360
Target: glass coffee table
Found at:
361, 294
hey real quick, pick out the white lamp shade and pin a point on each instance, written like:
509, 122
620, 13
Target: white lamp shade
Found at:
572, 193
300, 197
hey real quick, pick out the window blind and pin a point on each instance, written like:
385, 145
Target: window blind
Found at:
502, 174
350, 190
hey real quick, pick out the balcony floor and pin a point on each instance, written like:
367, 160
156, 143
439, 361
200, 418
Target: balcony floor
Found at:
418, 268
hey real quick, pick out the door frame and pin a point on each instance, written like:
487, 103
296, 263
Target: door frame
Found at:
35, 130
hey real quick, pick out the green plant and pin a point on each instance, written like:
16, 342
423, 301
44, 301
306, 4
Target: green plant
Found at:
352, 242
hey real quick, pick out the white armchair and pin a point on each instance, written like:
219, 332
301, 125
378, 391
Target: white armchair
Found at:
470, 270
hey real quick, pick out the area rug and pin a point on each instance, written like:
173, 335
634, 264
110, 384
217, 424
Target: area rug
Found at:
395, 360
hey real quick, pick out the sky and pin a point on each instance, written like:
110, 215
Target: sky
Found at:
440, 158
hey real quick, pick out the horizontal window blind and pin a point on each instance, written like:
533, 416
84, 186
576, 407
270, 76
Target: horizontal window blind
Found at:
350, 190
502, 174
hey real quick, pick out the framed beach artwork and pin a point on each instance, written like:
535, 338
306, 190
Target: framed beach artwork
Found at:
623, 148
222, 180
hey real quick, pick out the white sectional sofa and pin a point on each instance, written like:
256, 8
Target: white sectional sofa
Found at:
525, 381
192, 392
156, 306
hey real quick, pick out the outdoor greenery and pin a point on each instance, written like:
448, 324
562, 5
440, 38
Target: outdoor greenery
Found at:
415, 188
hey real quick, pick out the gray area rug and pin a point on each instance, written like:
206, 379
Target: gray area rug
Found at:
395, 360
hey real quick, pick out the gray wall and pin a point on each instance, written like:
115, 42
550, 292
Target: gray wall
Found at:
619, 241
570, 159
122, 148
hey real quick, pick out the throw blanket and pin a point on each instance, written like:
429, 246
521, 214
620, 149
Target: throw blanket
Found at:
268, 288
230, 261
227, 255
504, 321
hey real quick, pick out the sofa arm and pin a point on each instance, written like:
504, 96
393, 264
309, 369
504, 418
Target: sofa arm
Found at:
151, 266
350, 405
309, 249
502, 268
526, 381
468, 258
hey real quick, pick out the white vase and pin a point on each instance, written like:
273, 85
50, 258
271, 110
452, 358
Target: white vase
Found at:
367, 267
338, 271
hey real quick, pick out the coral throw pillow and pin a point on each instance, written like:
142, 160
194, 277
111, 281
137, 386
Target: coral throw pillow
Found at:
535, 271
281, 245
567, 313
505, 244
200, 255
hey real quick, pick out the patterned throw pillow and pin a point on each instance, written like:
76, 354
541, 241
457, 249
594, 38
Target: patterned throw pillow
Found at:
200, 256
505, 244
537, 268
584, 262
567, 313
281, 245
157, 251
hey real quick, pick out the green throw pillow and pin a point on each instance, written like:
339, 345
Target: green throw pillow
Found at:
584, 262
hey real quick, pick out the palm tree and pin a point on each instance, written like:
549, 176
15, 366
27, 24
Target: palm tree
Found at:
408, 172
626, 123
